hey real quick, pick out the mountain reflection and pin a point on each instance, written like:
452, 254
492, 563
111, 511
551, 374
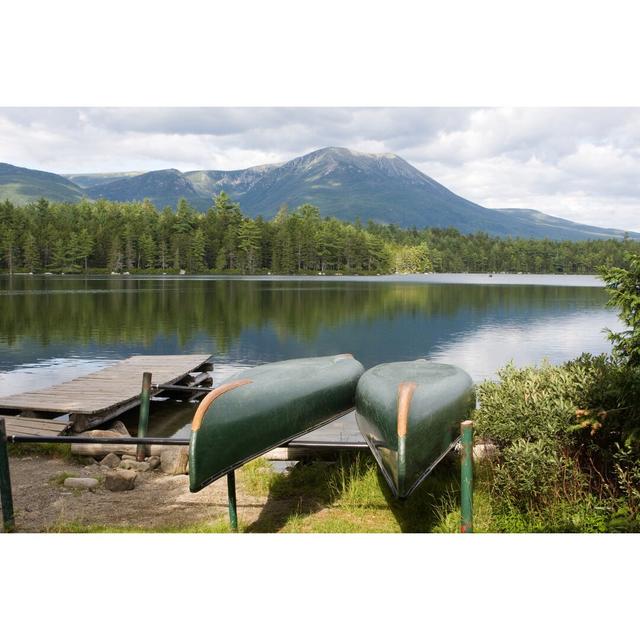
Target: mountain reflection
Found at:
478, 326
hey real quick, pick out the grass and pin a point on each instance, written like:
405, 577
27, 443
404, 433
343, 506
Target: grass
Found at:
51, 450
59, 478
257, 477
217, 526
349, 495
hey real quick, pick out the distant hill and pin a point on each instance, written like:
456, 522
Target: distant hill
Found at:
235, 184
27, 185
86, 180
164, 188
341, 183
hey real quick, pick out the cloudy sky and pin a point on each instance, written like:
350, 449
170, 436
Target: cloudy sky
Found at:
582, 163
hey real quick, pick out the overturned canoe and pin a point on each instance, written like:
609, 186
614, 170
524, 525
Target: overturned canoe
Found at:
264, 407
409, 413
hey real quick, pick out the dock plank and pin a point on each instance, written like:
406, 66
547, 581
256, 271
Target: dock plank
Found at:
105, 390
19, 426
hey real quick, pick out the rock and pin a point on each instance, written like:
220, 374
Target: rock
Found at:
110, 460
120, 480
119, 427
481, 450
135, 466
174, 460
81, 483
127, 456
117, 430
154, 462
485, 451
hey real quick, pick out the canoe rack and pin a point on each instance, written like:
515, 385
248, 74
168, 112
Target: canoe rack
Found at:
142, 441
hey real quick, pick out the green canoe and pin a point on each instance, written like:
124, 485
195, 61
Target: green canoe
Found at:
264, 407
409, 413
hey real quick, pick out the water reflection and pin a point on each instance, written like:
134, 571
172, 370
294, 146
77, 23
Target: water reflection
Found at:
484, 350
53, 328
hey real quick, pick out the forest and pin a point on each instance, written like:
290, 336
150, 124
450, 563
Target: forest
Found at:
115, 237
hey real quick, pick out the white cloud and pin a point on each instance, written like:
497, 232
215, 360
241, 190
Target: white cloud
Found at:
579, 163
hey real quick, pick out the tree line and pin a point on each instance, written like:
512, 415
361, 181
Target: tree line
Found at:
135, 236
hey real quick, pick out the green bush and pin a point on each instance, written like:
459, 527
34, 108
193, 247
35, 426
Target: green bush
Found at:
527, 474
532, 403
565, 436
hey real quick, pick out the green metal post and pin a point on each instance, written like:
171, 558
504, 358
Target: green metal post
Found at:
466, 479
233, 508
143, 421
5, 482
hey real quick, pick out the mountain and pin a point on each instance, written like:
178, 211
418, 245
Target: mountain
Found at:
86, 180
562, 229
341, 183
164, 188
22, 185
234, 183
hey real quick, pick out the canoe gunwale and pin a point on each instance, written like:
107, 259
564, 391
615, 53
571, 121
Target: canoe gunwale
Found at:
373, 447
210, 398
242, 462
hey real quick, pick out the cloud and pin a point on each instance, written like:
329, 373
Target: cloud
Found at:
579, 163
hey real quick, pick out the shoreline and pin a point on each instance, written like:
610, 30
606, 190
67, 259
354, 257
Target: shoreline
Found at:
481, 278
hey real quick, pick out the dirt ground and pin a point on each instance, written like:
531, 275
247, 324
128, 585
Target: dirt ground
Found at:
158, 501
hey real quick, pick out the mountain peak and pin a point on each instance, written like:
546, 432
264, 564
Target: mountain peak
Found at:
341, 182
347, 154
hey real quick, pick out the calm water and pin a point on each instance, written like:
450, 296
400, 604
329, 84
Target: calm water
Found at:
55, 328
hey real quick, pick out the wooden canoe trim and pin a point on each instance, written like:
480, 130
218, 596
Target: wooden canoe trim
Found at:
405, 393
196, 423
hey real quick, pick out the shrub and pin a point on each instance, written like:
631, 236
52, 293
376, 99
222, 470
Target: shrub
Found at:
531, 403
623, 286
564, 433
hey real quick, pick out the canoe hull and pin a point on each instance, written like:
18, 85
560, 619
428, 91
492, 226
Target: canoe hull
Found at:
438, 398
264, 407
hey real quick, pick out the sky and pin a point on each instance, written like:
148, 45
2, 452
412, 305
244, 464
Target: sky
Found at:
577, 163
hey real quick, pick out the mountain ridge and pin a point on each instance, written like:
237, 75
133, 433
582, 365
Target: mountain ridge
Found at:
343, 183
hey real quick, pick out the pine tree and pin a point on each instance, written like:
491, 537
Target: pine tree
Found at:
147, 251
30, 255
249, 243
83, 246
60, 256
197, 252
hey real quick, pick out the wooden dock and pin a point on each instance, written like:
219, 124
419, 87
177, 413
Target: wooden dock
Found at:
93, 399
342, 432
19, 426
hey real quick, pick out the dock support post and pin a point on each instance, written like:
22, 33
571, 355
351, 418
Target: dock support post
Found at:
233, 508
143, 421
6, 496
466, 478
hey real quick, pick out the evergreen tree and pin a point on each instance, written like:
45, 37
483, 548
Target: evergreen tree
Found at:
249, 244
147, 251
30, 255
197, 252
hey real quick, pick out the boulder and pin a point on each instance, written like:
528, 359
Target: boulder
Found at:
485, 451
120, 480
117, 430
119, 427
81, 483
154, 462
482, 450
133, 465
174, 460
110, 460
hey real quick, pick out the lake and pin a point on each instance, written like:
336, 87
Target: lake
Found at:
53, 328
